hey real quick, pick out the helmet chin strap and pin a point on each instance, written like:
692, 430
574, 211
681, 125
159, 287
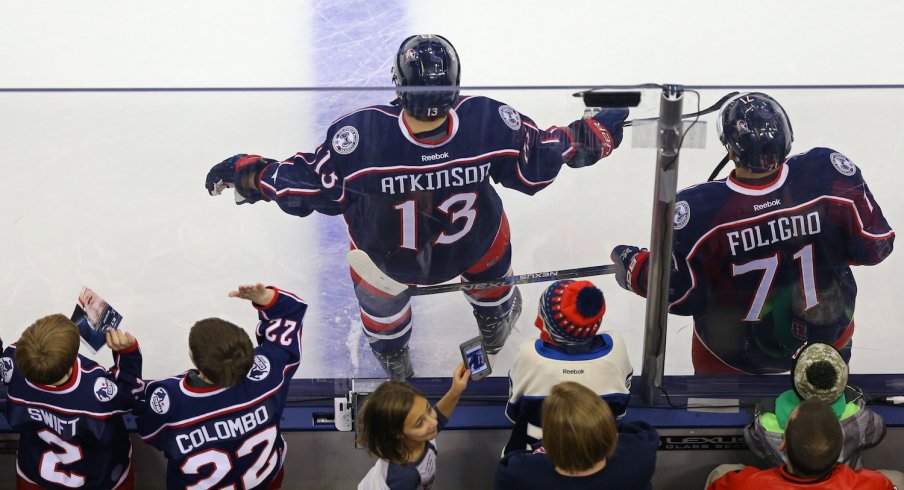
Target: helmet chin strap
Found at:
718, 168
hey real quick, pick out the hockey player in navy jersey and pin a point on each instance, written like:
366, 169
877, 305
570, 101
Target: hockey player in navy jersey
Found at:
68, 410
762, 258
413, 182
218, 425
568, 349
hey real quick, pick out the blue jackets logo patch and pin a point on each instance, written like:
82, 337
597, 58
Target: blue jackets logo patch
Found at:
104, 389
682, 214
6, 369
160, 401
842, 164
510, 117
346, 140
259, 369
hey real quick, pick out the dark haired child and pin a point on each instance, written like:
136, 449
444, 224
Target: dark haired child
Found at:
218, 424
398, 425
68, 410
819, 372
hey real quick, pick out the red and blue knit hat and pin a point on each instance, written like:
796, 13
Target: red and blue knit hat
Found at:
570, 312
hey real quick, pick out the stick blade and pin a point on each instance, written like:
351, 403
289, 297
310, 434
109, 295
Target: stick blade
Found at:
361, 263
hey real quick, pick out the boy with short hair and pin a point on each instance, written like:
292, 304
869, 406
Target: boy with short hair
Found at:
819, 372
68, 410
218, 425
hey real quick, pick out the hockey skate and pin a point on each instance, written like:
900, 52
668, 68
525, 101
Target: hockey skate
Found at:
397, 364
495, 329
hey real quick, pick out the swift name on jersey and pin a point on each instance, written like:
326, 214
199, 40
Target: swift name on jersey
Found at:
63, 427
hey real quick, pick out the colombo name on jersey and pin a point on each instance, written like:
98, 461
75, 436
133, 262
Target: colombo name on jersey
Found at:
763, 269
424, 211
216, 436
73, 435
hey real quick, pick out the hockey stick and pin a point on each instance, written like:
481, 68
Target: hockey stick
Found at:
712, 108
361, 263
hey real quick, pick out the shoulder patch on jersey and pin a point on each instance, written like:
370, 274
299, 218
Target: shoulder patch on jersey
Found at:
346, 140
160, 400
6, 369
259, 369
682, 214
842, 164
104, 389
510, 117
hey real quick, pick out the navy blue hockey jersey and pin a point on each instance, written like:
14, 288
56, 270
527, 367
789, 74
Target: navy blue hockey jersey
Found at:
73, 435
424, 211
215, 437
763, 269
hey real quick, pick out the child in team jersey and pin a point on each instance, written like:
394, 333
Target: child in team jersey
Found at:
68, 410
398, 425
218, 424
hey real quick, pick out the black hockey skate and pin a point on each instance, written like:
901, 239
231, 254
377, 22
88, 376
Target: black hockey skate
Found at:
495, 329
397, 364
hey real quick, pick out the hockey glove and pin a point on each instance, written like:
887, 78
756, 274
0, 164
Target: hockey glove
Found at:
595, 137
631, 273
241, 172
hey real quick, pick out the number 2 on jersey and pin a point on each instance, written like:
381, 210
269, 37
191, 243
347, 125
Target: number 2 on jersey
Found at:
51, 461
466, 212
769, 265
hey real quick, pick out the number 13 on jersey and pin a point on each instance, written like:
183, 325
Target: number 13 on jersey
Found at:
459, 209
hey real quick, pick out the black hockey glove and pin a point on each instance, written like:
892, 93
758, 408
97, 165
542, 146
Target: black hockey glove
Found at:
241, 172
630, 267
595, 137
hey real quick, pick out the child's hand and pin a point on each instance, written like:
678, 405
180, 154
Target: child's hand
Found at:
460, 379
118, 340
257, 293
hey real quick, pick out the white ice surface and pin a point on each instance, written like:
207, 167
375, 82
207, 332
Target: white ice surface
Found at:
105, 190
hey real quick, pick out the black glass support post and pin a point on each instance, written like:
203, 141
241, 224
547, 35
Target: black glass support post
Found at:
661, 240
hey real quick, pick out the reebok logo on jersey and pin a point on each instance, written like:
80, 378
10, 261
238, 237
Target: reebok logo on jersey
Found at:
572, 371
768, 204
435, 156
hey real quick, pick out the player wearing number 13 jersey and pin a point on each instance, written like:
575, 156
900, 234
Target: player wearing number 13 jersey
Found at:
414, 184
762, 259
218, 425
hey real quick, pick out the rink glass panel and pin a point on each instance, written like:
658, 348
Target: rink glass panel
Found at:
106, 190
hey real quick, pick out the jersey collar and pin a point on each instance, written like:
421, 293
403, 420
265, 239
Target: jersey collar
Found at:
199, 391
66, 387
758, 190
406, 131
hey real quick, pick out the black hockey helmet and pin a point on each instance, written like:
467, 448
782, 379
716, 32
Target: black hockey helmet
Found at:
757, 130
426, 60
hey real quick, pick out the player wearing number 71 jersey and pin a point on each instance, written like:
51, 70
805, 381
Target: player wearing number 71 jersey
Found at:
413, 182
762, 259
218, 425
